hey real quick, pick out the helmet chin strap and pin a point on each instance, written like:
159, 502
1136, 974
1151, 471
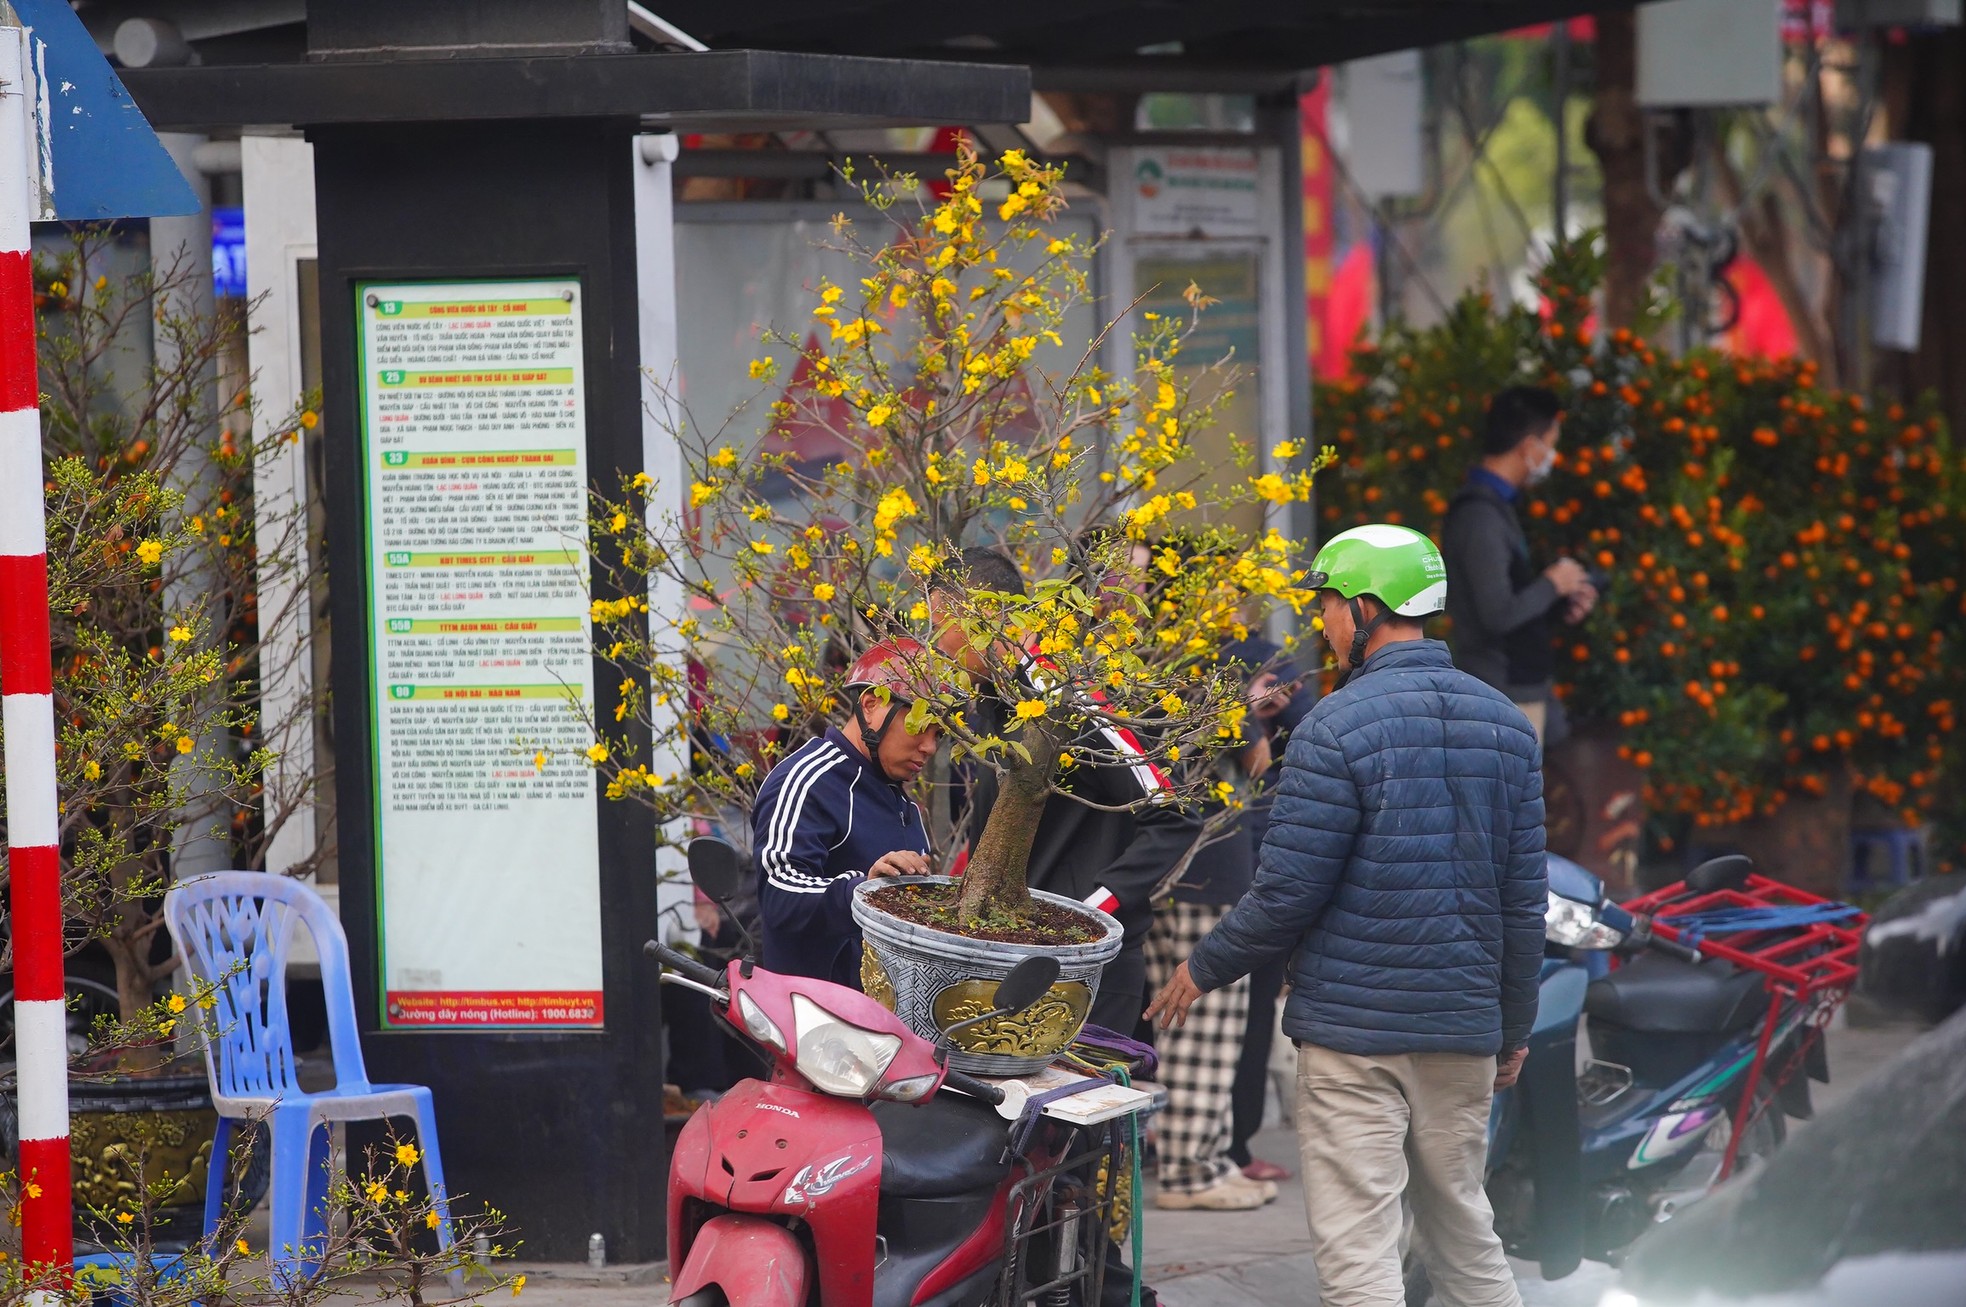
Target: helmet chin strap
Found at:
871, 735
1361, 636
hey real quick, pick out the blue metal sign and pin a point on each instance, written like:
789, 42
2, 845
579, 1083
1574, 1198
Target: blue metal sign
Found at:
229, 252
100, 160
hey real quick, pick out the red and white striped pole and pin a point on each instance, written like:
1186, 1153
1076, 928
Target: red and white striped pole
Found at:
27, 698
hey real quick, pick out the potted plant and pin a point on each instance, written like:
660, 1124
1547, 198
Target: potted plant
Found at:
940, 400
153, 549
1783, 622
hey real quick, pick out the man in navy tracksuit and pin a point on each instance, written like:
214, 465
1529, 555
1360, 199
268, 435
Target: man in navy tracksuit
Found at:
833, 813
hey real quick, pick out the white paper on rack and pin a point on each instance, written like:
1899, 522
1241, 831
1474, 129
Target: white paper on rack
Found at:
1100, 1100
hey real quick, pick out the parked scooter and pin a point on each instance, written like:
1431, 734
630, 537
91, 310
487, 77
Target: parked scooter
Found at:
849, 1179
1585, 1154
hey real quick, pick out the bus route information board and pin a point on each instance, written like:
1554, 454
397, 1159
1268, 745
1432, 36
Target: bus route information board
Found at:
487, 844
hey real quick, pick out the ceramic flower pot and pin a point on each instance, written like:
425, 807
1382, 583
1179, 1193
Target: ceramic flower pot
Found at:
163, 1117
933, 978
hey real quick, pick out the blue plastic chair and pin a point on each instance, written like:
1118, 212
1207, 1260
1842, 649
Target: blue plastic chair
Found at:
232, 930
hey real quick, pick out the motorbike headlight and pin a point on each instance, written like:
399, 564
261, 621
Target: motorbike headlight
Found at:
1571, 924
762, 1028
837, 1056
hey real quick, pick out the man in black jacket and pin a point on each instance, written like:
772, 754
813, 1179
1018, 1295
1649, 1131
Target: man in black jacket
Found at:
1501, 606
1079, 849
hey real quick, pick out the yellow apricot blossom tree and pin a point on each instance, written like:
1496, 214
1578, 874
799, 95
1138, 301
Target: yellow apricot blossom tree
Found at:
922, 418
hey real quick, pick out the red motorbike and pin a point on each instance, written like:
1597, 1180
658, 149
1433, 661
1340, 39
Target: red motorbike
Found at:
849, 1179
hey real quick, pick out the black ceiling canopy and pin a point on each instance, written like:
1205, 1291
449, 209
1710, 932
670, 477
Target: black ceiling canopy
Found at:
1061, 39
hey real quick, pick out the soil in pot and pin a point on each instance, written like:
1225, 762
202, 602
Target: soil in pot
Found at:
934, 906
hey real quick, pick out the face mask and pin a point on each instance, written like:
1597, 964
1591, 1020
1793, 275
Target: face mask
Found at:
1544, 463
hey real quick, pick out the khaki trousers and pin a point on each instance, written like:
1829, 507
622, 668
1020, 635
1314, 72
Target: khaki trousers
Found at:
1375, 1129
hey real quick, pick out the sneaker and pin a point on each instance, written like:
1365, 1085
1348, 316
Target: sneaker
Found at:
1230, 1194
1264, 1187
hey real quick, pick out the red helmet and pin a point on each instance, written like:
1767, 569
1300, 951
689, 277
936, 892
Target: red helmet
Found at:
897, 666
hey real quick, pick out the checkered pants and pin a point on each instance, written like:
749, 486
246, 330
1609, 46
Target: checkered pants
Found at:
1198, 1060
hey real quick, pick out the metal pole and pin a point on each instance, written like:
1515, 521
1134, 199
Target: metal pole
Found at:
1559, 104
28, 702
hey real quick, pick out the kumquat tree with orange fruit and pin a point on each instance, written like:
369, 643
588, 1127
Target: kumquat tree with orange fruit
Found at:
944, 406
1785, 605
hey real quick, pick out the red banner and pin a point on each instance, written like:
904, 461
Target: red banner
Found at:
496, 1008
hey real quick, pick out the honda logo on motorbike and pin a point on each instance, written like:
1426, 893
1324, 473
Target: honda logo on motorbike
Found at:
817, 1182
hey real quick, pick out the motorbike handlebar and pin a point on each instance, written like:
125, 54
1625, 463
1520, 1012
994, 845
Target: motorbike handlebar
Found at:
973, 1087
1673, 948
683, 964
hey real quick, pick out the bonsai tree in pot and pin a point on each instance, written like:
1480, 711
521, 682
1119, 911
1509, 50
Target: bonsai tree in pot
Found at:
934, 404
153, 577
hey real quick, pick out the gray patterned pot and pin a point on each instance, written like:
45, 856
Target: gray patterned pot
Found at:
932, 978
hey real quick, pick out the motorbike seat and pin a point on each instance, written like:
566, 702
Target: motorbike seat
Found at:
1664, 995
947, 1146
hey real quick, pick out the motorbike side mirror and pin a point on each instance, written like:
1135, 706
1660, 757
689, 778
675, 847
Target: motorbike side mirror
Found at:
1730, 871
1027, 982
714, 868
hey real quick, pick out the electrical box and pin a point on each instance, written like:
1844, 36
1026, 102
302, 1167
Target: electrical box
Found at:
1900, 177
1383, 101
1709, 53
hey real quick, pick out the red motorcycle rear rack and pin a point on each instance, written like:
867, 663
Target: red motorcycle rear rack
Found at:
1800, 960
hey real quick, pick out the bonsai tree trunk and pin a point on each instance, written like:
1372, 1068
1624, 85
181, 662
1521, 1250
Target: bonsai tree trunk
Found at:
993, 883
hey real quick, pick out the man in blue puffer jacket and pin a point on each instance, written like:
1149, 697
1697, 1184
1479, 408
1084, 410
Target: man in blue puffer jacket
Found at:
1403, 870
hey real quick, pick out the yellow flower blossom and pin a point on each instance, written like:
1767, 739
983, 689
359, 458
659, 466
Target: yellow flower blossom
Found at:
150, 551
760, 369
878, 415
1274, 488
518, 1285
92, 769
779, 712
185, 744
596, 753
618, 523
1029, 708
642, 481
824, 592
310, 419
406, 1154
539, 761
896, 505
431, 1220
242, 1248
725, 457
175, 1003
761, 546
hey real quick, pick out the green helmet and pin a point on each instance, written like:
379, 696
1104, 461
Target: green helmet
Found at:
1395, 564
